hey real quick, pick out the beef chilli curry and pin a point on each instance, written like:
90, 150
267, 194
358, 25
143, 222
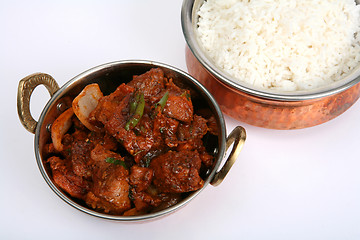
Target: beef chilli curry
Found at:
139, 149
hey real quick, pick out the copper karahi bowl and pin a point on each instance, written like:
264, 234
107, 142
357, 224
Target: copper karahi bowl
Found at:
264, 108
109, 76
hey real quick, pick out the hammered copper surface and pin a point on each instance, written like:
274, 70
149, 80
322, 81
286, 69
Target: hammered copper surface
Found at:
272, 113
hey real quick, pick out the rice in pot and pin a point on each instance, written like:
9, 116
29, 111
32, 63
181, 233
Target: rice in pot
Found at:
285, 45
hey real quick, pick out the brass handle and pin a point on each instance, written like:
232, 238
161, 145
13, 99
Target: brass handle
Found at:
238, 137
25, 89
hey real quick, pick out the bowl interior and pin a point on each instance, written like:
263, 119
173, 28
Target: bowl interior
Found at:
109, 77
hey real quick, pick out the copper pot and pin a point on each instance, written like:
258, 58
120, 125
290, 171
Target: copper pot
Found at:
109, 76
265, 108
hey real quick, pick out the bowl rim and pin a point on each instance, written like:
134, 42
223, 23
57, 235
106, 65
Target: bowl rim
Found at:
60, 93
188, 24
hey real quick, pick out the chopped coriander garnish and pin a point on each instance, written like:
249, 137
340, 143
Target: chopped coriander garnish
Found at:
115, 161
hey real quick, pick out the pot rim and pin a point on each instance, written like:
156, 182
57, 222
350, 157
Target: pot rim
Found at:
50, 104
188, 16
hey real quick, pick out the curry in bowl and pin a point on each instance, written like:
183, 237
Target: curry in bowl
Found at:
134, 151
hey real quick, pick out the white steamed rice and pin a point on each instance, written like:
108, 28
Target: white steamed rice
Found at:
282, 44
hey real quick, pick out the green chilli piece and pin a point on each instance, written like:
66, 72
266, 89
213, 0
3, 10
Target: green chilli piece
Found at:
139, 111
163, 100
115, 161
186, 95
134, 103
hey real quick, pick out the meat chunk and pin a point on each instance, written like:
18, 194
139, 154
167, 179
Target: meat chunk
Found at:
80, 153
102, 157
137, 142
110, 190
150, 83
78, 146
190, 138
141, 177
108, 105
66, 179
177, 172
197, 129
165, 130
104, 139
179, 107
142, 194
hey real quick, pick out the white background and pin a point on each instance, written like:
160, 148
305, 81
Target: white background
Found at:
298, 184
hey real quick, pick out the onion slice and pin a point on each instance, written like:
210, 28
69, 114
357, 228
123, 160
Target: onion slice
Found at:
60, 126
86, 102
